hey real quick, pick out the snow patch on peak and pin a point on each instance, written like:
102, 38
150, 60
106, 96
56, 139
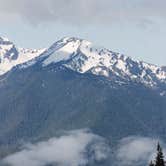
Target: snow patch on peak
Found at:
11, 56
82, 56
63, 50
4, 39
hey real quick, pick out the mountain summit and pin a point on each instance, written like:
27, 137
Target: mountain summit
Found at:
11, 56
84, 57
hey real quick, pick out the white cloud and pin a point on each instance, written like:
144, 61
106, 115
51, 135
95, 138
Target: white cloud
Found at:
136, 150
73, 149
84, 11
81, 147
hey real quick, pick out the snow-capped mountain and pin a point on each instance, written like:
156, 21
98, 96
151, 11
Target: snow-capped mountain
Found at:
82, 56
76, 85
11, 56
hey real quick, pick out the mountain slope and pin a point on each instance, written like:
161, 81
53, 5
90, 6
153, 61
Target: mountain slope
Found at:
11, 56
63, 89
39, 103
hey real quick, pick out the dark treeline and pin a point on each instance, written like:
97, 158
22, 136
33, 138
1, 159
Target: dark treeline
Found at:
159, 160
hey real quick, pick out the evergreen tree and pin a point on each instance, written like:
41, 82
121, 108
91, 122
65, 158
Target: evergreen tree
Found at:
151, 164
160, 157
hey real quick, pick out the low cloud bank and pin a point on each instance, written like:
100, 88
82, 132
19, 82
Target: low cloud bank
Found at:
75, 148
81, 147
136, 150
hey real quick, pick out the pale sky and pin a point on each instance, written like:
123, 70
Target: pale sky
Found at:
136, 28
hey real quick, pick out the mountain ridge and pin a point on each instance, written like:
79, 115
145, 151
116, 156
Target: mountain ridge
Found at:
82, 56
10, 55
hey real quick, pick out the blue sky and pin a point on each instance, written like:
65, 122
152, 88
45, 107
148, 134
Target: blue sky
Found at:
136, 28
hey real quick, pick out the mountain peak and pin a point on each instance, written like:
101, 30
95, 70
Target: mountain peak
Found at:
69, 39
72, 40
3, 39
82, 56
8, 50
11, 56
